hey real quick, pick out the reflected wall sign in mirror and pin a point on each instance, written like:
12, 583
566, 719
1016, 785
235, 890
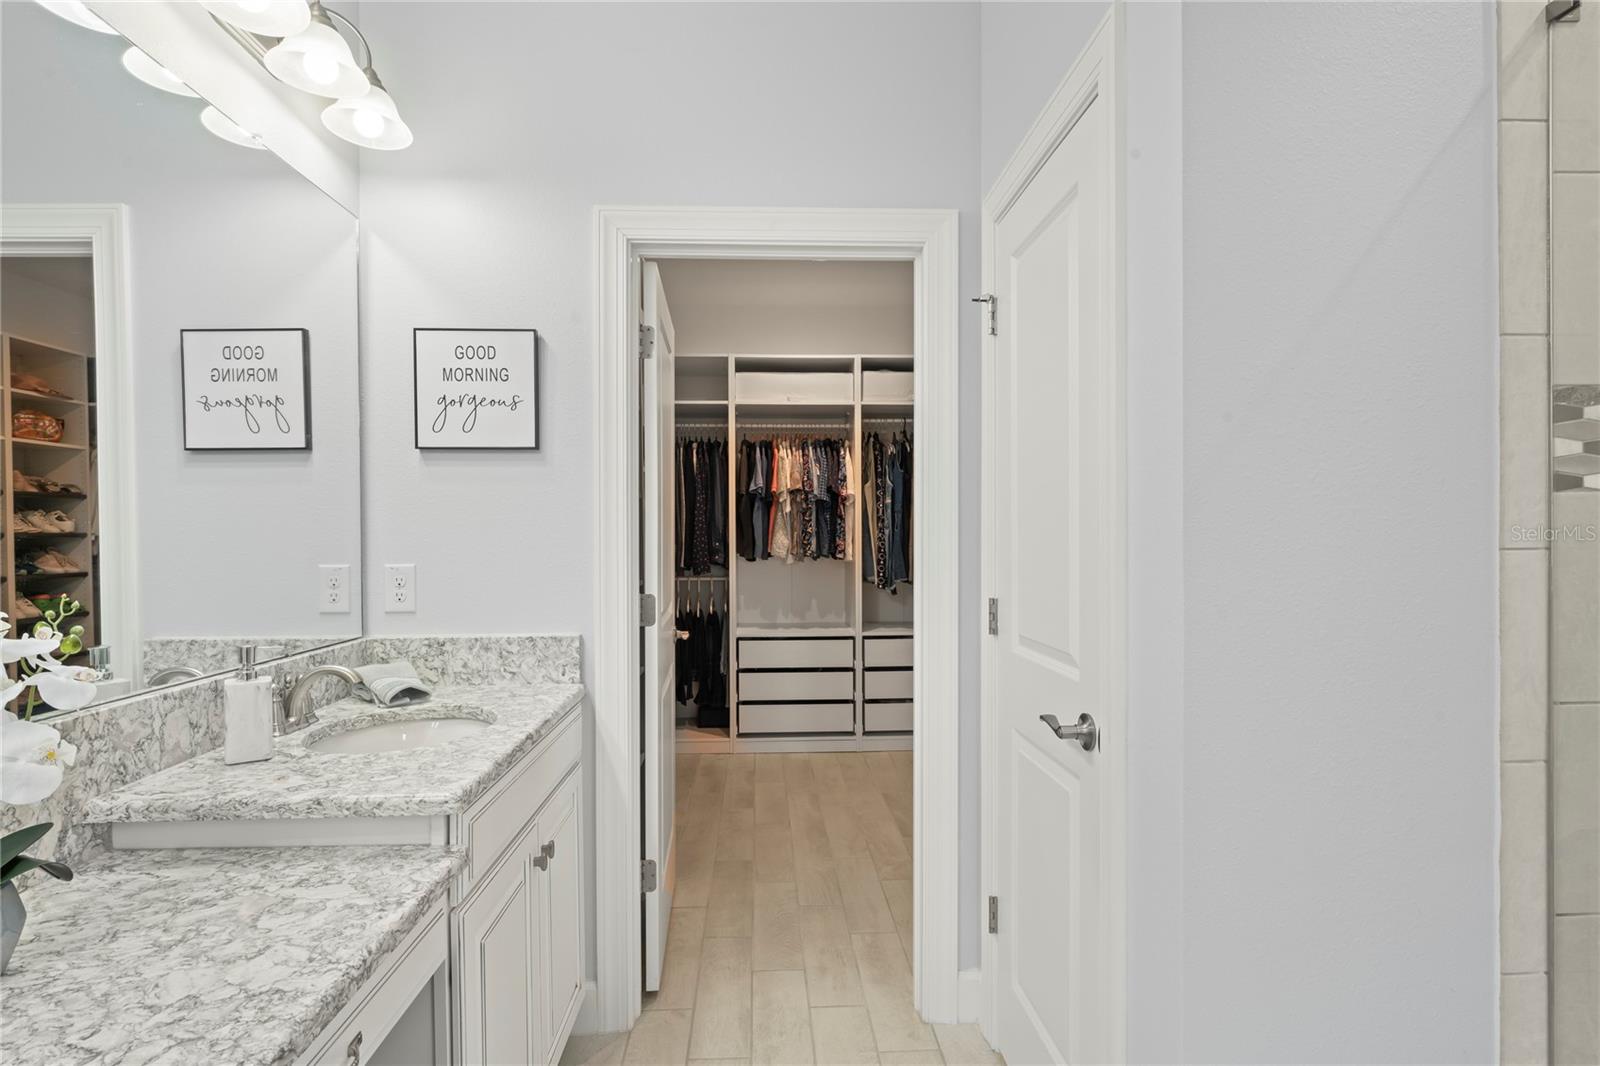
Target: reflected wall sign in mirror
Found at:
175, 555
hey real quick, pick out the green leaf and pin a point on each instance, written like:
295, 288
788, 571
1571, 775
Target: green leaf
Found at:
18, 867
14, 844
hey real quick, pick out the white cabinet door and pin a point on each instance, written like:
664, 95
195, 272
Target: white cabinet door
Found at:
499, 959
561, 928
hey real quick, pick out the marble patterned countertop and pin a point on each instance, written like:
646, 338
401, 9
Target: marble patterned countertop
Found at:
206, 956
299, 783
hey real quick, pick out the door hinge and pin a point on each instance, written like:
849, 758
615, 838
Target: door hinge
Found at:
1563, 10
994, 617
647, 875
994, 914
647, 341
647, 609
989, 302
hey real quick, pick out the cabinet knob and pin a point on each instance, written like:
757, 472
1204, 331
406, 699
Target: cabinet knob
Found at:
547, 851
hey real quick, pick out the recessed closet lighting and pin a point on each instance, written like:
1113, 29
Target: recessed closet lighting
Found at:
75, 12
153, 74
370, 120
317, 60
270, 18
229, 130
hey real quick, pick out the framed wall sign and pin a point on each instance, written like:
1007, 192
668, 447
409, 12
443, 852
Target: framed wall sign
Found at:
246, 389
476, 388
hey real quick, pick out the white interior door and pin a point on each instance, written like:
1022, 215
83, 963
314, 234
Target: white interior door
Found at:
1054, 469
659, 580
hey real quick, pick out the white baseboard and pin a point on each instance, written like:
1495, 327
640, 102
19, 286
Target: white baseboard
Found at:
969, 995
588, 1019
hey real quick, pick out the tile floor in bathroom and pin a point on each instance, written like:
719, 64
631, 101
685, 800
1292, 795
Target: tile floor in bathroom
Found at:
791, 923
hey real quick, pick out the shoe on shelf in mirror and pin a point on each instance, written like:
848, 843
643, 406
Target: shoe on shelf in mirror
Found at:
24, 522
27, 568
61, 522
21, 482
24, 611
34, 383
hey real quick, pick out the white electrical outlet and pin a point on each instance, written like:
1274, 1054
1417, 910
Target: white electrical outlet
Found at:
400, 588
333, 597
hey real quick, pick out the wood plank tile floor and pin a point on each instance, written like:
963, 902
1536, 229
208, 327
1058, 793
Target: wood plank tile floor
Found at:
791, 925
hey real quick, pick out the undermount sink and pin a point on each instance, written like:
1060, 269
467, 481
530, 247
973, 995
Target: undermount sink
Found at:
397, 736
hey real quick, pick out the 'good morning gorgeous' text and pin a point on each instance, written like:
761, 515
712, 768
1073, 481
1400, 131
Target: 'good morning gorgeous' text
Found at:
249, 404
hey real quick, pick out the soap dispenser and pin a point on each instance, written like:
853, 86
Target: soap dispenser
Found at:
247, 712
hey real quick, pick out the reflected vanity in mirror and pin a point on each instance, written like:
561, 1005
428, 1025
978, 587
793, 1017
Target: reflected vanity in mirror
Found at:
190, 489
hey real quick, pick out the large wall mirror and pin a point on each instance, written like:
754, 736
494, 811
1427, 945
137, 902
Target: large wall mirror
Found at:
191, 497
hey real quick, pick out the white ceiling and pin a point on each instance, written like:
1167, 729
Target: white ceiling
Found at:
69, 273
703, 284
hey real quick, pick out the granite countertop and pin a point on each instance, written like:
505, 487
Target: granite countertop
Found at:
237, 955
298, 783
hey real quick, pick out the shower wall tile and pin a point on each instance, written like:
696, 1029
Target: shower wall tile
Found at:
1524, 1019
1575, 998
1575, 807
1524, 229
1575, 105
1524, 907
1575, 596
1524, 450
1575, 282
1523, 60
1524, 653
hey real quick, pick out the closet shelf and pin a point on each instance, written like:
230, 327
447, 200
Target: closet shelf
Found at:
784, 630
48, 534
51, 495
44, 399
43, 576
58, 444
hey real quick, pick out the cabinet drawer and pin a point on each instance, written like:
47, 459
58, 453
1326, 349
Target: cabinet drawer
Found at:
788, 688
378, 1005
887, 386
495, 820
886, 651
763, 718
796, 654
888, 717
888, 684
766, 387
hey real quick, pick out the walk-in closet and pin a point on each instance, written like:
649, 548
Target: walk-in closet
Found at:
795, 489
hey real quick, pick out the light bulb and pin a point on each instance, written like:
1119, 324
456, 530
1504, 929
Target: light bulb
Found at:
367, 123
320, 67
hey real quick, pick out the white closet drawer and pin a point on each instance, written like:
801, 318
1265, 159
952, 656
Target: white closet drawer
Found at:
888, 717
796, 654
887, 386
887, 651
811, 685
888, 684
759, 718
753, 386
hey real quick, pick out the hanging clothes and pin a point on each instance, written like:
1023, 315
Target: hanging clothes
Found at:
795, 496
702, 658
886, 510
701, 514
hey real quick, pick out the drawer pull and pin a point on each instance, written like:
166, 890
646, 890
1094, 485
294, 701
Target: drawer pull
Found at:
353, 1052
547, 851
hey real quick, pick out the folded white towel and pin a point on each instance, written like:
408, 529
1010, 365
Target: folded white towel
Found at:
391, 684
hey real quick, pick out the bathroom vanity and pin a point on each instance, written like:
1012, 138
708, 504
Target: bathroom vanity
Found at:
419, 904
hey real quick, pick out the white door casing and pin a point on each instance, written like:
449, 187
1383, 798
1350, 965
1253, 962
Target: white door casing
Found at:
660, 641
1055, 560
624, 236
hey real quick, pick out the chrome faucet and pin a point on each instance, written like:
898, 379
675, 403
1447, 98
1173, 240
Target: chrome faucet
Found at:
292, 692
173, 673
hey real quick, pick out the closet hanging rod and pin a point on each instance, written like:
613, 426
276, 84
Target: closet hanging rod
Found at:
743, 425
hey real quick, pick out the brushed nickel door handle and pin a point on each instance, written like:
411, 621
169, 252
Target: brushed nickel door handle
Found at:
1085, 732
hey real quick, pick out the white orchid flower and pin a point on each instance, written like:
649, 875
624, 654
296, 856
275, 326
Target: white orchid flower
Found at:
32, 759
63, 687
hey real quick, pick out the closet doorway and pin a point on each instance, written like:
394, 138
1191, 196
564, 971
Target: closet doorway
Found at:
775, 667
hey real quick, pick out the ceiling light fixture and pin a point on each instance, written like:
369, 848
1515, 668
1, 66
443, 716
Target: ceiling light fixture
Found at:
318, 60
370, 120
270, 18
77, 13
229, 130
153, 74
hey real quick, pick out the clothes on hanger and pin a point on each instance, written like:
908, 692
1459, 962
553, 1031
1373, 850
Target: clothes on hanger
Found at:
794, 499
886, 510
701, 512
702, 659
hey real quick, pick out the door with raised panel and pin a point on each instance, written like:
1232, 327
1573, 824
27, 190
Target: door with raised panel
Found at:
499, 960
561, 920
1054, 471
